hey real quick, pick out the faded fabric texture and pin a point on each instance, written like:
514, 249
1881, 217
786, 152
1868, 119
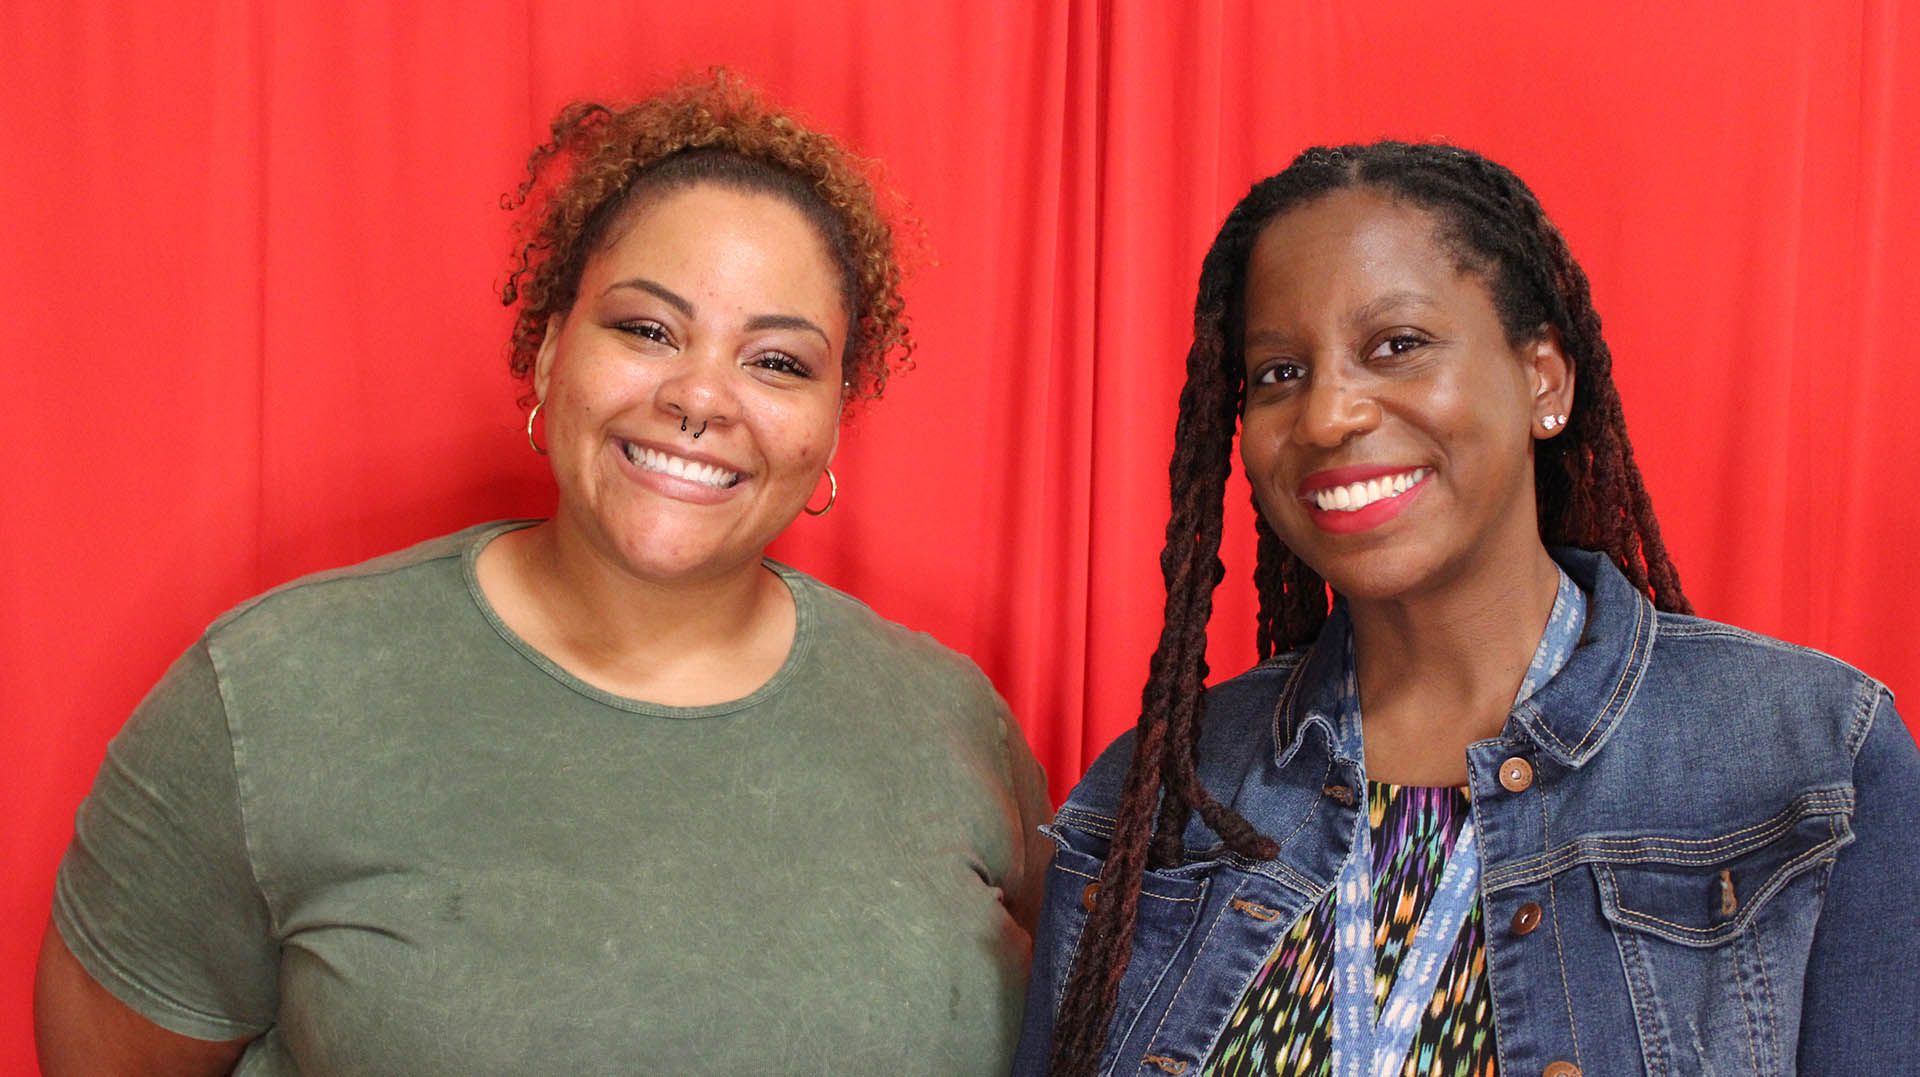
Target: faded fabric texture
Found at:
365, 823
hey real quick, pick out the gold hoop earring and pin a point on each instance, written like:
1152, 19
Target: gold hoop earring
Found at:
833, 494
530, 417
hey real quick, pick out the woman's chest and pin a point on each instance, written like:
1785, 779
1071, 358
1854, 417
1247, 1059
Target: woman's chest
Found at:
1618, 938
717, 904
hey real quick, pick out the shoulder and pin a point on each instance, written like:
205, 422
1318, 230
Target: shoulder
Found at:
939, 702
1761, 678
1689, 685
378, 596
1237, 722
1689, 637
849, 635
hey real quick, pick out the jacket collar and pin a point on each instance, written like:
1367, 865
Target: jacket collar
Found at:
1568, 718
1311, 697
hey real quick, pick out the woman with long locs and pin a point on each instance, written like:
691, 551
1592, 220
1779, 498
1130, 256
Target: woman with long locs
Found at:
1501, 804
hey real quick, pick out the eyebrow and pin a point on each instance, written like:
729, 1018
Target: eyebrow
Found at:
784, 321
666, 294
1372, 309
754, 324
1362, 314
1266, 338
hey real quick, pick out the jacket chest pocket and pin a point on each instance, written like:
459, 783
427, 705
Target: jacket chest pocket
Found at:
1168, 911
1714, 936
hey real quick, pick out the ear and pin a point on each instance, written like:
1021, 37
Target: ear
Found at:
543, 363
1552, 376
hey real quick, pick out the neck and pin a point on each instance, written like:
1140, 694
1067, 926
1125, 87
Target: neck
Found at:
687, 641
1439, 671
625, 614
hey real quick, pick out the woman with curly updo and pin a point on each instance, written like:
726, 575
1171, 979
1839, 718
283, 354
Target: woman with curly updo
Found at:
606, 792
1493, 802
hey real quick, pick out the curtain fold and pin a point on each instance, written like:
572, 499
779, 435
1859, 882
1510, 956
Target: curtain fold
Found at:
256, 248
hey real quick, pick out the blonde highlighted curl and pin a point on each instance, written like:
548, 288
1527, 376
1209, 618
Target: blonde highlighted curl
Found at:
600, 159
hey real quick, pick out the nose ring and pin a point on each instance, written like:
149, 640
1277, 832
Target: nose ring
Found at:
702, 430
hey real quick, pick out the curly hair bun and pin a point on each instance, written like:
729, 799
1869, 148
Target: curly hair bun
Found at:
716, 129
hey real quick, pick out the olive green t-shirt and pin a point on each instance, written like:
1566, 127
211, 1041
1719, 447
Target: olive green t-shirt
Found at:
364, 822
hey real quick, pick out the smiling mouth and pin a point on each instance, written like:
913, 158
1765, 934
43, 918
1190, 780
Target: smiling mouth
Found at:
679, 467
1358, 495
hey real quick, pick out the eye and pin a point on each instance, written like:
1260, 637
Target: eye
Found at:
781, 362
647, 329
1276, 373
1398, 344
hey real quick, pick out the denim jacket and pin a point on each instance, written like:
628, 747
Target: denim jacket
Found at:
1700, 850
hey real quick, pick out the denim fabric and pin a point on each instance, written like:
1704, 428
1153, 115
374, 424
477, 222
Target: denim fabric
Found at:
1722, 833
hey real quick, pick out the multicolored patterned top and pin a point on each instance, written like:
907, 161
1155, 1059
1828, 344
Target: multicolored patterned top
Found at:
1284, 1023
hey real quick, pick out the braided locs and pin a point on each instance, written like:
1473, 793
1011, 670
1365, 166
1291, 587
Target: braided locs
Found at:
1588, 488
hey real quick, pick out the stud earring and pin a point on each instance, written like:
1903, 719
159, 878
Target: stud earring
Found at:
1553, 422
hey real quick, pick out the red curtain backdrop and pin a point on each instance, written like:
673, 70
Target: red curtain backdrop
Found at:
253, 250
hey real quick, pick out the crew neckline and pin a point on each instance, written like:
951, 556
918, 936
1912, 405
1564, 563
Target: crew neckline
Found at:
804, 616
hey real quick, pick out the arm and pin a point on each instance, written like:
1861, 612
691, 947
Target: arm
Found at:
81, 1029
1862, 1003
161, 957
1027, 885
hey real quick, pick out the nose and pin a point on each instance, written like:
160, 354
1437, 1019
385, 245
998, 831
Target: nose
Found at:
1333, 410
698, 390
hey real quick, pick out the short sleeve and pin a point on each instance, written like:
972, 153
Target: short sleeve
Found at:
156, 896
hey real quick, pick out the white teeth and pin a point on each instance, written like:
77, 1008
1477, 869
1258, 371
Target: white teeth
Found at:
1358, 495
680, 467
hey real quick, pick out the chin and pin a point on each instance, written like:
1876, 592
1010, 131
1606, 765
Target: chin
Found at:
1376, 575
1412, 574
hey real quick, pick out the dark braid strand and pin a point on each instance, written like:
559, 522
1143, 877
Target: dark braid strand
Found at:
1203, 442
1293, 597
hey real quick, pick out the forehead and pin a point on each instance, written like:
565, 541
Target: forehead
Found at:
723, 240
1347, 248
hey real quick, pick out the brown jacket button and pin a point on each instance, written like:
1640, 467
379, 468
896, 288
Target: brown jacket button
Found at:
1087, 896
1516, 774
1526, 918
1560, 1069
